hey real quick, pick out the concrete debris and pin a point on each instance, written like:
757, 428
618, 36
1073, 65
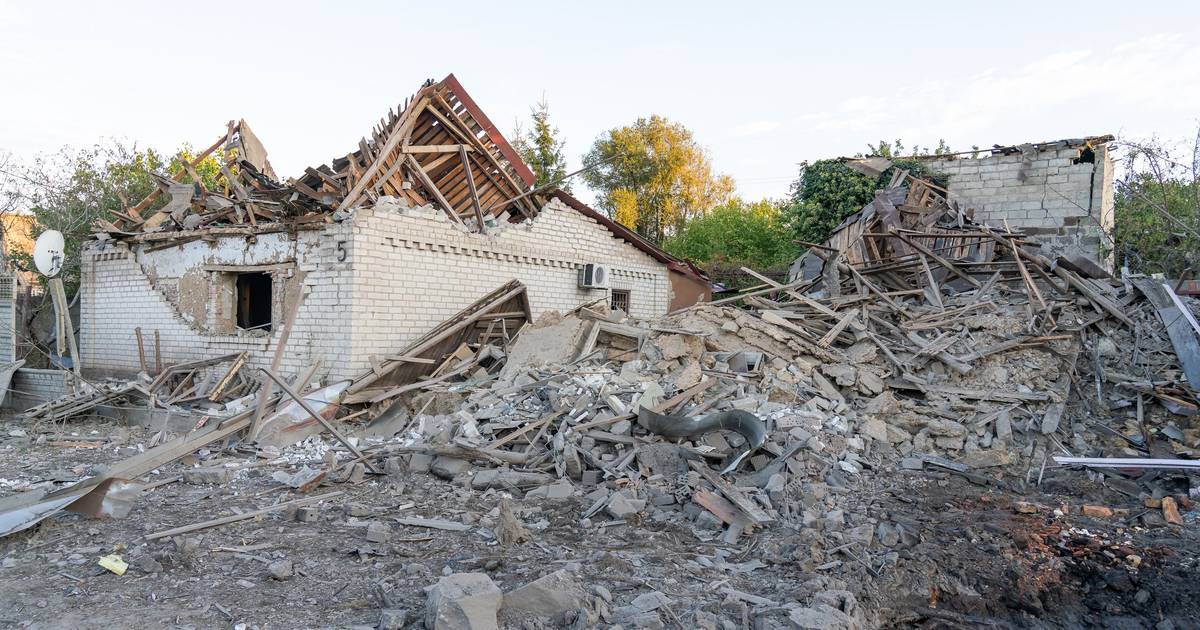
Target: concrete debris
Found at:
463, 601
281, 569
510, 530
548, 596
901, 419
392, 619
621, 506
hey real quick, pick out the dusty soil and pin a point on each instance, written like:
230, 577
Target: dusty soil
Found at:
970, 559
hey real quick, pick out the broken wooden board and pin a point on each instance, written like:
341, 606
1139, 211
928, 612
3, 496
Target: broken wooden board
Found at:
433, 523
1179, 328
744, 503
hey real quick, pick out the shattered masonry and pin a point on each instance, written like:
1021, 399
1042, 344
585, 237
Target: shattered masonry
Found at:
936, 422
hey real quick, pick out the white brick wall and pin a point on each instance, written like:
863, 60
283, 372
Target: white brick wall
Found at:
119, 296
1068, 207
402, 273
414, 269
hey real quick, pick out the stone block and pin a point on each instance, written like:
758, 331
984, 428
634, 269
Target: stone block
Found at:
548, 596
463, 601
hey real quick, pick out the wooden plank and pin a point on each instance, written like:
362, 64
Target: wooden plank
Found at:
951, 267
1179, 329
718, 505
804, 299
1029, 283
837, 329
735, 496
433, 523
432, 188
443, 148
277, 359
225, 520
137, 332
933, 290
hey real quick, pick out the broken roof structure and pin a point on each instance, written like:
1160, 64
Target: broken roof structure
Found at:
1060, 191
439, 148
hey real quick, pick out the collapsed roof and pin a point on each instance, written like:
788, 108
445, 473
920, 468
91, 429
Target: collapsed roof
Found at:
438, 148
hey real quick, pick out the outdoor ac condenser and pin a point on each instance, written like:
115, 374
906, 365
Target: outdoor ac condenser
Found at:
593, 276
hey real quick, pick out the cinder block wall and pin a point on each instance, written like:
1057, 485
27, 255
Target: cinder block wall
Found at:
1068, 206
414, 269
32, 387
373, 284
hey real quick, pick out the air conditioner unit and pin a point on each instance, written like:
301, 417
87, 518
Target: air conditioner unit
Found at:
593, 276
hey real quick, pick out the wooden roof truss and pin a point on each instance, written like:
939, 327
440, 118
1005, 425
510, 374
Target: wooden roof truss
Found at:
435, 150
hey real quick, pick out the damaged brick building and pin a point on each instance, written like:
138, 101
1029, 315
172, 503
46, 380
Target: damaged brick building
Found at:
433, 211
1061, 192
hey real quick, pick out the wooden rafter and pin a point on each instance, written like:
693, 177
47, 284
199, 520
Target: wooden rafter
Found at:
466, 162
431, 187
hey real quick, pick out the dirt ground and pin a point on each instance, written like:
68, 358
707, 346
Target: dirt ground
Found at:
969, 557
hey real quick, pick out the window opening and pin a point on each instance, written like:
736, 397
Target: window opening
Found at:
620, 300
254, 301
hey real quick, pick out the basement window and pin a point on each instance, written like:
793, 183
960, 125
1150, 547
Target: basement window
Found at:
254, 301
619, 301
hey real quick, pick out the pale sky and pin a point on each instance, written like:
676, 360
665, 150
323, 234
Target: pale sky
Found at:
762, 85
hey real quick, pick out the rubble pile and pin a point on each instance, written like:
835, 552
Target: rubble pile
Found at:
914, 345
216, 386
878, 367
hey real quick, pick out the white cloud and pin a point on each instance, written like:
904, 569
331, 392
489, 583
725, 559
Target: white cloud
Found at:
754, 128
1148, 77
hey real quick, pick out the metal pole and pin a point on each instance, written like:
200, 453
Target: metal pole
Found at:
316, 416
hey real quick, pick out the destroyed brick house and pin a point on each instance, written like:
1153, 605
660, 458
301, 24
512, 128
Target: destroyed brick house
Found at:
1060, 192
947, 425
434, 210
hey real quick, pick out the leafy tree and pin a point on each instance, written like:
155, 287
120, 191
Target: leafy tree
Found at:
735, 234
653, 176
69, 190
1157, 211
541, 148
828, 191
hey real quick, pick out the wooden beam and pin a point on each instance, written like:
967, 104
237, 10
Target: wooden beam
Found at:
951, 267
470, 137
431, 187
462, 152
225, 520
145, 203
399, 132
442, 148
264, 394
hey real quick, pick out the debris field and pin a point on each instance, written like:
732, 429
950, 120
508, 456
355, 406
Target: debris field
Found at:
938, 427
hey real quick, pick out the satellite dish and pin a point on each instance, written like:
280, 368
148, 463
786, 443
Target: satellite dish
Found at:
48, 254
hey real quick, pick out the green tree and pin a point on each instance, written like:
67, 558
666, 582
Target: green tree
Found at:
828, 191
653, 176
541, 148
69, 190
736, 234
1157, 213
